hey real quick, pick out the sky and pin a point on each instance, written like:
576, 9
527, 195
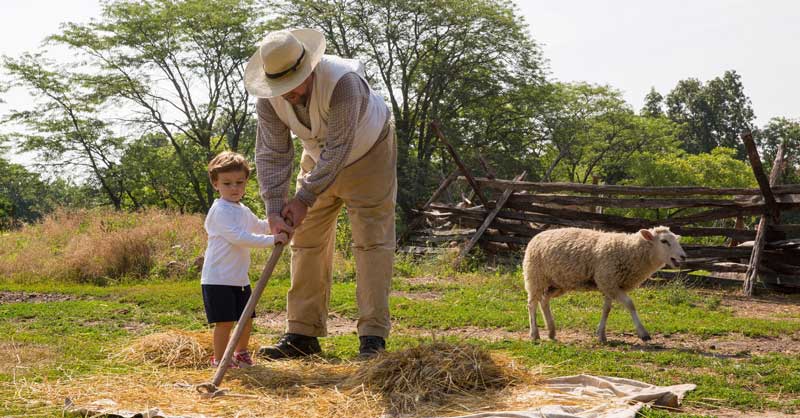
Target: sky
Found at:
632, 45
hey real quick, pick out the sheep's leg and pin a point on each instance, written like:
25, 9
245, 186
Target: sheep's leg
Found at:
601, 329
532, 318
628, 304
548, 317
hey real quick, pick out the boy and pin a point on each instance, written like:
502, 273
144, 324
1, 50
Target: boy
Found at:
232, 230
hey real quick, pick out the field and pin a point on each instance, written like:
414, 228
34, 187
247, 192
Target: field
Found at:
743, 354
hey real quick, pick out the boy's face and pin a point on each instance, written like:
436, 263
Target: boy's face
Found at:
231, 185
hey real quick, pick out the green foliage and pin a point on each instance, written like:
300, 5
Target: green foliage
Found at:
22, 195
590, 130
653, 104
719, 168
711, 114
65, 129
25, 197
471, 65
781, 131
182, 55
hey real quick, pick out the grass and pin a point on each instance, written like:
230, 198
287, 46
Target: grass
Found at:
79, 335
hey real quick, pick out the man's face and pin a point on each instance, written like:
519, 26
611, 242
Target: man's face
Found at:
300, 93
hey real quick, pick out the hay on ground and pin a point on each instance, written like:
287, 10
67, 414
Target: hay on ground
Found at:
171, 349
437, 379
433, 374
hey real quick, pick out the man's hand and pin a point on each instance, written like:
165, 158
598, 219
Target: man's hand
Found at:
295, 211
277, 225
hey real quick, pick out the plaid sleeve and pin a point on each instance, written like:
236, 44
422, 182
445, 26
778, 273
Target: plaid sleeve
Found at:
274, 156
348, 105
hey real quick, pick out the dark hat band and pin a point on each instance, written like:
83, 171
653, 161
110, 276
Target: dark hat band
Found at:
290, 69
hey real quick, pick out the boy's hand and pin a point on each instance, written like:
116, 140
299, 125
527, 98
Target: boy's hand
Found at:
281, 238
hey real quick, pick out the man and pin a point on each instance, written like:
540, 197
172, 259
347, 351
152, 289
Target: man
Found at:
349, 158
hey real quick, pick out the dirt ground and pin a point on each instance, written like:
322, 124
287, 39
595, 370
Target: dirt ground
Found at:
766, 306
16, 297
728, 346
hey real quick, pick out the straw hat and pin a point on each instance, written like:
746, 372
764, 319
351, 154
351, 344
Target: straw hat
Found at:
283, 61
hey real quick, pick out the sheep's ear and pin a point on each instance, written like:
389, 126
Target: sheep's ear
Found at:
646, 234
677, 237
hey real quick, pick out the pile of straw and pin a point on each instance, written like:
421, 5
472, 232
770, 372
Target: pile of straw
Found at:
171, 349
433, 374
438, 379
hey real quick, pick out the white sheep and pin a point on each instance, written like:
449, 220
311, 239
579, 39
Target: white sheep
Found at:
560, 260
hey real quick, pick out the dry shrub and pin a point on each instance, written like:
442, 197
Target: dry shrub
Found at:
101, 244
122, 253
36, 249
171, 349
433, 374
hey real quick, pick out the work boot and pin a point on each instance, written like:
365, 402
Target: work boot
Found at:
291, 346
370, 346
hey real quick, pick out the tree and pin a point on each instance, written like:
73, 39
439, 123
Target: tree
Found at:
675, 167
20, 192
25, 197
154, 174
711, 115
64, 129
779, 131
179, 64
590, 130
653, 104
463, 63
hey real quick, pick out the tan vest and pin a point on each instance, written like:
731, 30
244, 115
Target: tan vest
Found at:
326, 74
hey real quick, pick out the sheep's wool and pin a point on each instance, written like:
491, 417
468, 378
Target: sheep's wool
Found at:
574, 259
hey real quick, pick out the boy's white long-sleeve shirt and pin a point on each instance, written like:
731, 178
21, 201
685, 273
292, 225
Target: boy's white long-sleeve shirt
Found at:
232, 230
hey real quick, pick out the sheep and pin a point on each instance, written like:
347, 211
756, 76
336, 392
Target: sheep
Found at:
560, 260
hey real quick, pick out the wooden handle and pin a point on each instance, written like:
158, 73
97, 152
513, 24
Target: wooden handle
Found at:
247, 313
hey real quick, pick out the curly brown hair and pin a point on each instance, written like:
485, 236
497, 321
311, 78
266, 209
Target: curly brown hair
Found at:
226, 162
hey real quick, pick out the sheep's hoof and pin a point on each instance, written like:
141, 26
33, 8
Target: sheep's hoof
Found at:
646, 337
603, 339
535, 338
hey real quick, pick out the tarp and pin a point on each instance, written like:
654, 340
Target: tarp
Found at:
596, 396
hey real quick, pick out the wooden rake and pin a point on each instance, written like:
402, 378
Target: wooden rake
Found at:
211, 389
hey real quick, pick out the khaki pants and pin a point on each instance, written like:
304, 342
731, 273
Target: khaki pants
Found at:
368, 189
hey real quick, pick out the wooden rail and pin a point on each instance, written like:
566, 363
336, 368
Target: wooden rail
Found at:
504, 226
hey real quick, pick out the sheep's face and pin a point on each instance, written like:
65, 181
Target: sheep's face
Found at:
667, 247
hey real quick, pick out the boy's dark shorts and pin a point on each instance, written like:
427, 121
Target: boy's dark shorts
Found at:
225, 303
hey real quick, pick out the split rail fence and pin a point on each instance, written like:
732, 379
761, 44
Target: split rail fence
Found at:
506, 214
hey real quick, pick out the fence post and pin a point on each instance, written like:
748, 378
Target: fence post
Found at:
772, 215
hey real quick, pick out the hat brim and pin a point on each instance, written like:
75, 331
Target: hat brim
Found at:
256, 82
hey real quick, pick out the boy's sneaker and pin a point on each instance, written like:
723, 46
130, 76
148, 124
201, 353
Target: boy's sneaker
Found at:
243, 359
231, 365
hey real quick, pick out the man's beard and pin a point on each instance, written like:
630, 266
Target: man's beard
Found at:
297, 99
